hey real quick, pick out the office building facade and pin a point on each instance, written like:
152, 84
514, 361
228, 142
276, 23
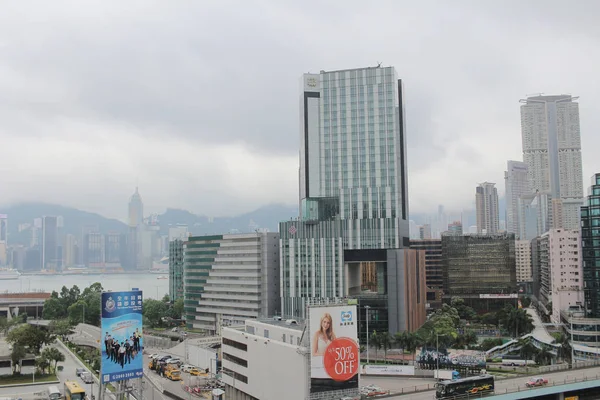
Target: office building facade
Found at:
353, 187
552, 151
486, 204
523, 261
516, 183
434, 277
561, 272
176, 268
590, 237
230, 278
479, 267
49, 243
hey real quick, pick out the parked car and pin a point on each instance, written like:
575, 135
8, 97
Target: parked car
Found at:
87, 377
80, 371
153, 356
537, 381
163, 358
174, 360
186, 368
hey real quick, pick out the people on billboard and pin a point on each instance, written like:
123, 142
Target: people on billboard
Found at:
323, 336
122, 352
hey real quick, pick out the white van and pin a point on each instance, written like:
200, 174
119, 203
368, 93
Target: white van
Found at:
54, 393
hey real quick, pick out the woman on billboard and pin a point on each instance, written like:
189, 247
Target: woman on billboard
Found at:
323, 336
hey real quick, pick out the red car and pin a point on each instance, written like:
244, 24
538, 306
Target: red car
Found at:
536, 382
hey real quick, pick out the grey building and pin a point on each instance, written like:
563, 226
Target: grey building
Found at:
479, 268
552, 151
486, 202
49, 243
230, 278
353, 187
176, 268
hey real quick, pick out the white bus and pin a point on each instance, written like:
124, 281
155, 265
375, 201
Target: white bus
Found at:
516, 361
54, 393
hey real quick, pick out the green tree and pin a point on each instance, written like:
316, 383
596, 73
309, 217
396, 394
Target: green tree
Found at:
412, 342
76, 312
54, 355
565, 346
31, 337
93, 310
61, 328
465, 340
440, 329
490, 319
53, 309
42, 364
178, 308
490, 343
516, 321
154, 311
400, 340
7, 324
376, 341
166, 299
528, 351
525, 301
543, 356
95, 287
464, 311
386, 343
17, 354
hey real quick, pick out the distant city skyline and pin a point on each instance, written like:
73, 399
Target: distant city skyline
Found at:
85, 134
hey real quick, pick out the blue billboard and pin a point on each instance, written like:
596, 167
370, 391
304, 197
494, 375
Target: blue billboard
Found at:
122, 336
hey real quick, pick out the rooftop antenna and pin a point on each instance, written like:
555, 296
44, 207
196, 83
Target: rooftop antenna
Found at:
379, 64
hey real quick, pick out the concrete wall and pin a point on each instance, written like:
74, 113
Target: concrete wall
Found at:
275, 370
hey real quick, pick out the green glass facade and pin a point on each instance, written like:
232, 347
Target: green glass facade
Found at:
199, 256
176, 267
590, 237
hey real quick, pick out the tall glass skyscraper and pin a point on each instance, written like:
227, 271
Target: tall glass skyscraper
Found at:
353, 187
590, 238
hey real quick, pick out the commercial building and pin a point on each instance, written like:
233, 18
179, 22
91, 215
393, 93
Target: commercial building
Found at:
561, 277
176, 268
434, 278
479, 267
590, 237
70, 250
523, 261
115, 252
353, 188
552, 151
230, 278
3, 240
49, 243
516, 183
136, 224
455, 228
425, 232
258, 351
486, 203
94, 250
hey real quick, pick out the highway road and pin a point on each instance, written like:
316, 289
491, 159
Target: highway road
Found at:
399, 385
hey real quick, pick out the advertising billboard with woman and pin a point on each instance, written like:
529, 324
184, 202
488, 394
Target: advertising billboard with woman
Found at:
335, 357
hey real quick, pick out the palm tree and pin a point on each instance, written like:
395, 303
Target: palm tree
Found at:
528, 351
376, 342
543, 357
412, 342
400, 339
386, 343
565, 347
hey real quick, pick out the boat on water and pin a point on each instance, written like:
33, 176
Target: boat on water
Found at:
9, 274
163, 277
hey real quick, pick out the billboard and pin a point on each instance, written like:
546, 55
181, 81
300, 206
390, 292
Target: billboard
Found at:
122, 336
334, 348
499, 296
450, 358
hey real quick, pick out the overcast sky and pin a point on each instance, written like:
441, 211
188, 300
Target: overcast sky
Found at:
197, 101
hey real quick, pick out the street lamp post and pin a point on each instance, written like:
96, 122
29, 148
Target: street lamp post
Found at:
367, 309
437, 355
